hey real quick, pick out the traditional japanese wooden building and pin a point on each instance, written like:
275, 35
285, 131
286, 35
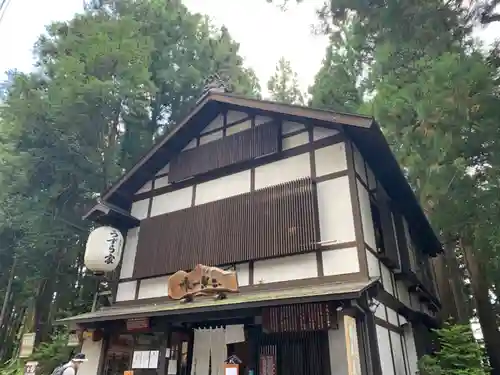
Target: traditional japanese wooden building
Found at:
311, 213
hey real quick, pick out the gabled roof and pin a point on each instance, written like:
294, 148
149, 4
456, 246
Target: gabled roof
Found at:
363, 130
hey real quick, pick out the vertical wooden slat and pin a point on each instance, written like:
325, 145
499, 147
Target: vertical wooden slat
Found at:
246, 145
275, 221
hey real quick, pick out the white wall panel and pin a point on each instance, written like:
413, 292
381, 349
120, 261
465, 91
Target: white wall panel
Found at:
359, 164
129, 251
336, 221
243, 274
217, 123
320, 133
145, 188
330, 159
140, 209
293, 267
295, 140
161, 182
223, 187
397, 349
191, 144
233, 116
373, 266
403, 294
387, 276
384, 348
153, 288
164, 170
126, 291
259, 120
281, 171
173, 201
338, 351
411, 349
290, 127
93, 351
238, 127
380, 311
204, 139
392, 317
340, 261
366, 216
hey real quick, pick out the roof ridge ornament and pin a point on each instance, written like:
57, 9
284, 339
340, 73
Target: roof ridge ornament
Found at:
215, 83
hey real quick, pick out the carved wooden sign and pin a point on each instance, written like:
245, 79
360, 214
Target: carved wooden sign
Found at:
202, 281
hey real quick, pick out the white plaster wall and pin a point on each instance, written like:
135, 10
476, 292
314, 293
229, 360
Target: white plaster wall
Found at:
224, 187
410, 348
330, 159
293, 267
320, 133
366, 216
233, 116
153, 288
340, 261
384, 348
217, 123
283, 171
238, 127
161, 182
387, 277
295, 140
359, 164
146, 187
403, 294
243, 274
338, 351
380, 311
373, 266
126, 291
172, 201
290, 127
93, 352
129, 251
259, 120
397, 349
204, 139
336, 221
140, 209
190, 145
392, 317
164, 170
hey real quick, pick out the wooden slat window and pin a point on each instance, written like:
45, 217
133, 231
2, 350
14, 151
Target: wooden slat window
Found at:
275, 221
246, 145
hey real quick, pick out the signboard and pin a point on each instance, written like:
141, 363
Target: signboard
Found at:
137, 324
103, 249
351, 340
74, 339
30, 368
27, 345
202, 280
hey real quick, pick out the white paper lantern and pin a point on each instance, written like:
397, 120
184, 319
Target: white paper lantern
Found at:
104, 249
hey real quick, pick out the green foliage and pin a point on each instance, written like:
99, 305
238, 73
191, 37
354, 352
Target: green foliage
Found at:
12, 367
283, 84
107, 84
53, 353
459, 354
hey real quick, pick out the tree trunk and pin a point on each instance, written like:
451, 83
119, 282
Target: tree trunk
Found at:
8, 291
450, 285
485, 312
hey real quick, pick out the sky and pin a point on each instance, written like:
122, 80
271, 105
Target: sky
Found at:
264, 31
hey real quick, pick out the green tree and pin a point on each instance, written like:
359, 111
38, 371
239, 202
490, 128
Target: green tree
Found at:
458, 353
283, 85
107, 83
